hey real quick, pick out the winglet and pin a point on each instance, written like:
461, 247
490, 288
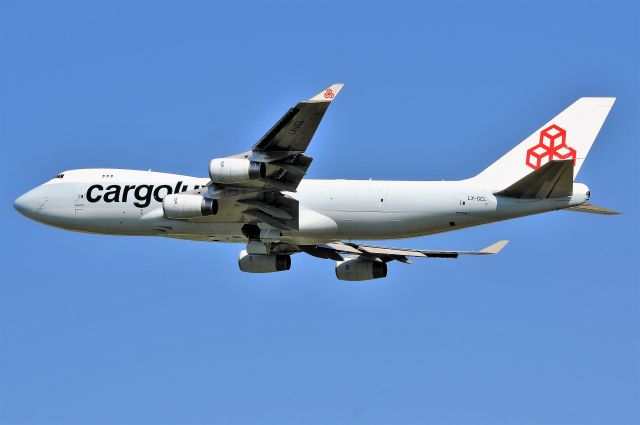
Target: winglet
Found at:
494, 248
328, 94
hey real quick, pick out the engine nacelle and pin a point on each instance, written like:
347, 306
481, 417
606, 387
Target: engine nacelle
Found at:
360, 268
235, 170
263, 263
183, 205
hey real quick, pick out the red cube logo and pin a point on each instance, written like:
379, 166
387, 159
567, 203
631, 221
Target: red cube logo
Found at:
552, 144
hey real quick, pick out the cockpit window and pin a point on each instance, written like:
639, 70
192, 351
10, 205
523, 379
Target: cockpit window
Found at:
59, 176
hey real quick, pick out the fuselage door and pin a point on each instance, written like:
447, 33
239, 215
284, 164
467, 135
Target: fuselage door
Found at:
79, 202
475, 203
461, 206
371, 196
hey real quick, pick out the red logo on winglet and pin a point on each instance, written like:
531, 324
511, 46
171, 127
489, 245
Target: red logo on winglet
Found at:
552, 145
328, 94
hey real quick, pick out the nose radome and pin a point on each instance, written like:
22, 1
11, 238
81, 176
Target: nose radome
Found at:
20, 204
28, 203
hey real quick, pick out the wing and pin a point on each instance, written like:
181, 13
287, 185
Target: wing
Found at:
296, 128
282, 151
282, 148
334, 249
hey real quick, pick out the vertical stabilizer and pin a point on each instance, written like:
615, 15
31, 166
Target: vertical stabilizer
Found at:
567, 136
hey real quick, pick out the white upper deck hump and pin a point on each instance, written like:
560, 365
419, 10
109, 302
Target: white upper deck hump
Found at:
117, 175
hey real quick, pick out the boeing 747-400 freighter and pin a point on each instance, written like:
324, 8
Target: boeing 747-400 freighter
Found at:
259, 197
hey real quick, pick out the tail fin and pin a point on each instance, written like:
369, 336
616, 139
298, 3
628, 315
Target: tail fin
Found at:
567, 136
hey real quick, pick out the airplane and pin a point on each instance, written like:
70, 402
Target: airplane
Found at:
260, 197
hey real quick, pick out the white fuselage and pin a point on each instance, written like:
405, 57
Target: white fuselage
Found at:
129, 202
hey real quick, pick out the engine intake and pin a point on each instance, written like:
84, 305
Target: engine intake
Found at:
360, 268
235, 170
181, 206
263, 263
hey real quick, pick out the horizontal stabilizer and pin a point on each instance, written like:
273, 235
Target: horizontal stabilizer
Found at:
552, 180
593, 209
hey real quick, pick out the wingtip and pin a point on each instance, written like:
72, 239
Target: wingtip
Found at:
328, 94
495, 248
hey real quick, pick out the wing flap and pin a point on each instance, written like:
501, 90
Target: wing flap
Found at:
321, 252
267, 218
267, 208
273, 208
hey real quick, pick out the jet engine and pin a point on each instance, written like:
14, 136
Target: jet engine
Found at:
235, 170
263, 263
360, 268
185, 205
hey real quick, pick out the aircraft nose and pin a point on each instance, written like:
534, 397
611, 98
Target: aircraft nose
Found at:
28, 203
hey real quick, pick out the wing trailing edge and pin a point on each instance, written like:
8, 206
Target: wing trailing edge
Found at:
333, 250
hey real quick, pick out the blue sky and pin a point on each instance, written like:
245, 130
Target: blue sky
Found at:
98, 329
